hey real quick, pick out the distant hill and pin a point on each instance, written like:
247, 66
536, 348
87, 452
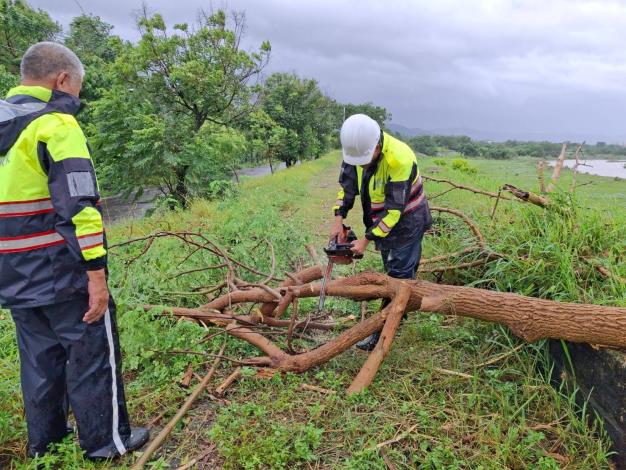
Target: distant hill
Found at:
501, 136
406, 131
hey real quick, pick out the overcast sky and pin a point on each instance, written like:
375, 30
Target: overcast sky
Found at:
519, 68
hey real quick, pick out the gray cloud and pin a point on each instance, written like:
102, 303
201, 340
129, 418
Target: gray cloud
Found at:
548, 69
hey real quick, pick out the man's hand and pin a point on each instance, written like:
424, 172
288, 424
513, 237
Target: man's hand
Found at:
98, 296
337, 230
359, 246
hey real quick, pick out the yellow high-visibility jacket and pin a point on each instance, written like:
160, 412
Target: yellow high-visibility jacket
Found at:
395, 208
51, 229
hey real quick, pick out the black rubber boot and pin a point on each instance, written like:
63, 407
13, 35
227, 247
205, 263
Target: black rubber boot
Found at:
138, 437
369, 343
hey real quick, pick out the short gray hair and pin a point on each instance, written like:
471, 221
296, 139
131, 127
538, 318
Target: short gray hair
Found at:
46, 59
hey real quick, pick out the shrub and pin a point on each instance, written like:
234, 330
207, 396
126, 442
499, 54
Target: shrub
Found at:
498, 152
222, 189
462, 165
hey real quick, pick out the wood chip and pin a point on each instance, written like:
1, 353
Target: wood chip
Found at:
265, 373
562, 459
398, 438
314, 388
388, 461
453, 372
195, 460
499, 357
219, 391
186, 380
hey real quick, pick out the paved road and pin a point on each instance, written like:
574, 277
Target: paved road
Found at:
115, 208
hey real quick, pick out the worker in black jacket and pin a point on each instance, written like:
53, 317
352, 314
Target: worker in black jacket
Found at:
53, 263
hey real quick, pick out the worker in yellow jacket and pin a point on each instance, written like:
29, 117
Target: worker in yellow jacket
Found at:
53, 263
384, 172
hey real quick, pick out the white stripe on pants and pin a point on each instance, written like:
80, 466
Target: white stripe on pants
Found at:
115, 431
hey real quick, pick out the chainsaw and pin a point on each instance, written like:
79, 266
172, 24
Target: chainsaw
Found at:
338, 253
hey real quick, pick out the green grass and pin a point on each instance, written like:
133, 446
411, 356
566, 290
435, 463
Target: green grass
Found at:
459, 393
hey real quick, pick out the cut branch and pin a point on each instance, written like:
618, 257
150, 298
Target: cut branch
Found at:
527, 196
158, 441
576, 165
480, 240
556, 174
394, 316
541, 164
464, 187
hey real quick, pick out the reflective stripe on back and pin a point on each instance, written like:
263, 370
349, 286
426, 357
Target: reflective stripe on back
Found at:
30, 242
22, 208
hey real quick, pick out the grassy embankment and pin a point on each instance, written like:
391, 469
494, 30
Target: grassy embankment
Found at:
458, 393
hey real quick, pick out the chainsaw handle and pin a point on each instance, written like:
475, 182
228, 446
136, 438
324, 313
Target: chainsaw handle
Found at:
348, 235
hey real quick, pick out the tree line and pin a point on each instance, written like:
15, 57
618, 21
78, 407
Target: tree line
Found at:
433, 145
185, 106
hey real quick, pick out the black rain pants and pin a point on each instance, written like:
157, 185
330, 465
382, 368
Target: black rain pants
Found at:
64, 359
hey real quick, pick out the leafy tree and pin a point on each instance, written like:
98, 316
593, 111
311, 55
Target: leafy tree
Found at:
7, 80
469, 149
377, 113
201, 73
90, 38
299, 106
497, 152
266, 137
423, 144
452, 142
171, 92
20, 27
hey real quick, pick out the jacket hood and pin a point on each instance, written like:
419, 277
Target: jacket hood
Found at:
22, 107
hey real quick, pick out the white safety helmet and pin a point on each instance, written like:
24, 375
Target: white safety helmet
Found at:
359, 136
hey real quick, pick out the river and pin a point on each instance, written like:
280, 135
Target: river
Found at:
610, 168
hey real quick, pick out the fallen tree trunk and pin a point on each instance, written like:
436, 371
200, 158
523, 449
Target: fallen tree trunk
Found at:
529, 318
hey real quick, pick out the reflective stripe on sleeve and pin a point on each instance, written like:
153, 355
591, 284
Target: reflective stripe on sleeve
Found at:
416, 189
90, 240
417, 186
383, 226
30, 242
411, 206
22, 208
